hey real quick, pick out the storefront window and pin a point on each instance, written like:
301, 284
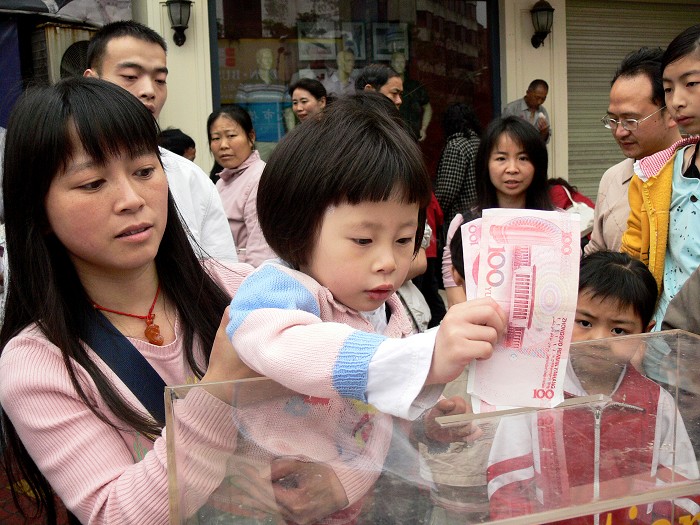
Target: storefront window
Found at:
441, 48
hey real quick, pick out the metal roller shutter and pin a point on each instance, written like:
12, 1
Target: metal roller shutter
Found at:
599, 35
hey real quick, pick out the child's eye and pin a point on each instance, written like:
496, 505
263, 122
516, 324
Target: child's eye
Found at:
405, 240
584, 323
362, 242
691, 84
145, 172
93, 185
619, 331
667, 90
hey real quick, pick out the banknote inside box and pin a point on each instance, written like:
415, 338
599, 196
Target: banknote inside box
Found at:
628, 455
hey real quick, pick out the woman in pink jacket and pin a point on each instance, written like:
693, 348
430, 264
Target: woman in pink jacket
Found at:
92, 246
232, 142
100, 280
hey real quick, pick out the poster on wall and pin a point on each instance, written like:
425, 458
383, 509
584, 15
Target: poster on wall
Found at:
279, 17
317, 40
388, 38
250, 76
352, 37
98, 12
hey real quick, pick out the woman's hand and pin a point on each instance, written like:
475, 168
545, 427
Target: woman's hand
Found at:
292, 490
306, 492
224, 363
248, 492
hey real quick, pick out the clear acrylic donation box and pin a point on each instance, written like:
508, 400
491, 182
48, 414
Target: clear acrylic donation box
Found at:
621, 448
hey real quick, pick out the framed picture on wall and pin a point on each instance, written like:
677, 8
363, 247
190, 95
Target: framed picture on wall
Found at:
387, 38
352, 36
317, 40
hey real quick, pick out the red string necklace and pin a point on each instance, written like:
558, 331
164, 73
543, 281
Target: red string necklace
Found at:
152, 331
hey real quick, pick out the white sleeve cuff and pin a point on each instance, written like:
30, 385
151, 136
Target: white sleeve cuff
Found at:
397, 373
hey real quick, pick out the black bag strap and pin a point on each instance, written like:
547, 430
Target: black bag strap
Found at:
127, 362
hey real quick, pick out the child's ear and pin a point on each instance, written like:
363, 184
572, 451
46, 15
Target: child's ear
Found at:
458, 279
649, 327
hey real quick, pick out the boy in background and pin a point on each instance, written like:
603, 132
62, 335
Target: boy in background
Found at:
175, 140
555, 459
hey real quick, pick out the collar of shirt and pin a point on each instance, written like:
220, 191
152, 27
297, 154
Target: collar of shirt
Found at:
228, 173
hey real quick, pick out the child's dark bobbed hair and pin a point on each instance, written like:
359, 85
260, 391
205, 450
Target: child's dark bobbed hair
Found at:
357, 151
617, 276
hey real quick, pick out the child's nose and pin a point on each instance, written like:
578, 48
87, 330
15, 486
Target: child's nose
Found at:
386, 261
599, 332
675, 100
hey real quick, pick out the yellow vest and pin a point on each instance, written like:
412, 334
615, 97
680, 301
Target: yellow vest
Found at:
647, 226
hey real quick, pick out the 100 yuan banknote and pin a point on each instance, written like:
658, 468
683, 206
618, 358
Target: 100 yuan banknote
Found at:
471, 246
528, 263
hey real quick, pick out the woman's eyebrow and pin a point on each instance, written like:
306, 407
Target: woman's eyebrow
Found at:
80, 166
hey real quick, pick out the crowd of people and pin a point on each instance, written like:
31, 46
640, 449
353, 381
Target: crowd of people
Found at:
126, 269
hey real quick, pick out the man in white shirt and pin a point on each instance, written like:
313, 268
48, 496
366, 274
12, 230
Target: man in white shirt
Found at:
341, 81
641, 126
133, 56
531, 109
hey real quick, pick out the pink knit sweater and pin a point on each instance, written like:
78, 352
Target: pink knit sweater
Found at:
288, 327
103, 475
238, 188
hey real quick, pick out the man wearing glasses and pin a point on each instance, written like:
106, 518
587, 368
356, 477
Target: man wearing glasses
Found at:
642, 126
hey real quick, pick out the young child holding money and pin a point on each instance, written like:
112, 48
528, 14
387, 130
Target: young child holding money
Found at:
631, 436
342, 202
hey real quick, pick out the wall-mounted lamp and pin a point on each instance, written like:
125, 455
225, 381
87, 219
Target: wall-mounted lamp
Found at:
542, 19
179, 14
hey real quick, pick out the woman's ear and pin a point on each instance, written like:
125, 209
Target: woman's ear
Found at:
458, 279
251, 138
322, 101
369, 87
